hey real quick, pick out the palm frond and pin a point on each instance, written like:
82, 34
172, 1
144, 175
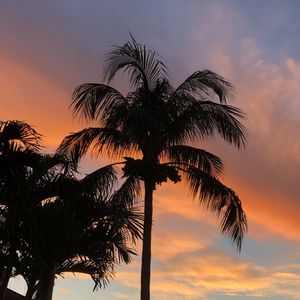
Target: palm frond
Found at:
140, 63
116, 143
76, 145
127, 221
198, 158
127, 194
19, 135
204, 84
46, 166
100, 182
202, 119
220, 200
91, 100
122, 250
130, 119
114, 118
100, 271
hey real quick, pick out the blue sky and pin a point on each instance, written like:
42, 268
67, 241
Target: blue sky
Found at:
47, 48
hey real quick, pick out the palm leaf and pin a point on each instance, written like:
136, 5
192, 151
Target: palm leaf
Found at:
77, 144
125, 220
127, 194
202, 119
198, 158
19, 135
133, 121
100, 182
90, 100
140, 63
117, 143
221, 200
100, 272
204, 84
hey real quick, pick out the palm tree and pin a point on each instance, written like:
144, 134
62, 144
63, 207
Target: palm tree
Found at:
155, 122
82, 229
56, 223
40, 177
17, 140
30, 178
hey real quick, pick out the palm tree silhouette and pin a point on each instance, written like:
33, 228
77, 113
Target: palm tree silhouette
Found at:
18, 140
83, 229
155, 122
52, 222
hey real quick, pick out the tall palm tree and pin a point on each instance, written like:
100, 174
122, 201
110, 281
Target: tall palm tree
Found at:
156, 122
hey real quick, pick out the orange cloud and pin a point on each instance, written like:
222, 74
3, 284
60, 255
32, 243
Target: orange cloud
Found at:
189, 276
168, 244
64, 290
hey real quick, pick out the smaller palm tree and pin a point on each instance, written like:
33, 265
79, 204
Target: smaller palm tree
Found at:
83, 229
18, 140
55, 223
70, 225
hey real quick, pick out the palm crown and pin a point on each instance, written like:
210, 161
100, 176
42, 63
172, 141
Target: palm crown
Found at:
157, 122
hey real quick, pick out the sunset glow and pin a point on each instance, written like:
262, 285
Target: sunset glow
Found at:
47, 48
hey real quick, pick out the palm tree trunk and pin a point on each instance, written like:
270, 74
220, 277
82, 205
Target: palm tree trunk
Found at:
46, 285
4, 282
31, 289
6, 276
146, 254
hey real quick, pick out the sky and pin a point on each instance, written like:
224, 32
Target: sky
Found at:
49, 47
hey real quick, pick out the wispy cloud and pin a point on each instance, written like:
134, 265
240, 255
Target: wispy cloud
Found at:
188, 276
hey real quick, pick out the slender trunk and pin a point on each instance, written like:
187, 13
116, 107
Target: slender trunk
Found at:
146, 254
46, 285
29, 294
31, 289
6, 276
